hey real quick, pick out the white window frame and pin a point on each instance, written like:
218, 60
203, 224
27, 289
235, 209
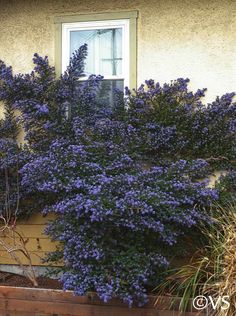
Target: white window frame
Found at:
93, 25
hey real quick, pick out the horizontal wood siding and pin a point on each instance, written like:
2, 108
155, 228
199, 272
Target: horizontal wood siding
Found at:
38, 244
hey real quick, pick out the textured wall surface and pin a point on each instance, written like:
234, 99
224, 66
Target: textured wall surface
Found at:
176, 38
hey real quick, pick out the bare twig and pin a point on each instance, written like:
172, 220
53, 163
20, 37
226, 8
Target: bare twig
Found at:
11, 240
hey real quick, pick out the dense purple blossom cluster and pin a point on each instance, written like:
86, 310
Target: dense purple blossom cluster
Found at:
124, 181
172, 122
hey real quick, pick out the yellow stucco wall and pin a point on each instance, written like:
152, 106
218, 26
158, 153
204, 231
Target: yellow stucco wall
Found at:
175, 38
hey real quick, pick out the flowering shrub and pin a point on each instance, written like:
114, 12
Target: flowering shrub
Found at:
172, 123
122, 180
113, 214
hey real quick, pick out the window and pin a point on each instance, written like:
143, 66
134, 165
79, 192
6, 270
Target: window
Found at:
111, 40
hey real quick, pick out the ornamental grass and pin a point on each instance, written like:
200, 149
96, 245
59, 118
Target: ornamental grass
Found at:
212, 270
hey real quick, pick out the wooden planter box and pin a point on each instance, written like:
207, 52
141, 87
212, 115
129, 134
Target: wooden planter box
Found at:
15, 301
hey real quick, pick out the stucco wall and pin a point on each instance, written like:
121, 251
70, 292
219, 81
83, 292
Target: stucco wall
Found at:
176, 38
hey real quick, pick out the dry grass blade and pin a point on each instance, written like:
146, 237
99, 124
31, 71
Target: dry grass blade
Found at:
212, 270
226, 284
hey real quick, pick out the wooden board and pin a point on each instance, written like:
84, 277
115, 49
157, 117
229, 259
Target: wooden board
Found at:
30, 230
36, 258
81, 309
38, 218
33, 244
42, 302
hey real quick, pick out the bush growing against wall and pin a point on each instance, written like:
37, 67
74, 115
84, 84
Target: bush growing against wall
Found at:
123, 180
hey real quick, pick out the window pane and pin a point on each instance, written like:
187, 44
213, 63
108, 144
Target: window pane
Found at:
106, 94
104, 50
